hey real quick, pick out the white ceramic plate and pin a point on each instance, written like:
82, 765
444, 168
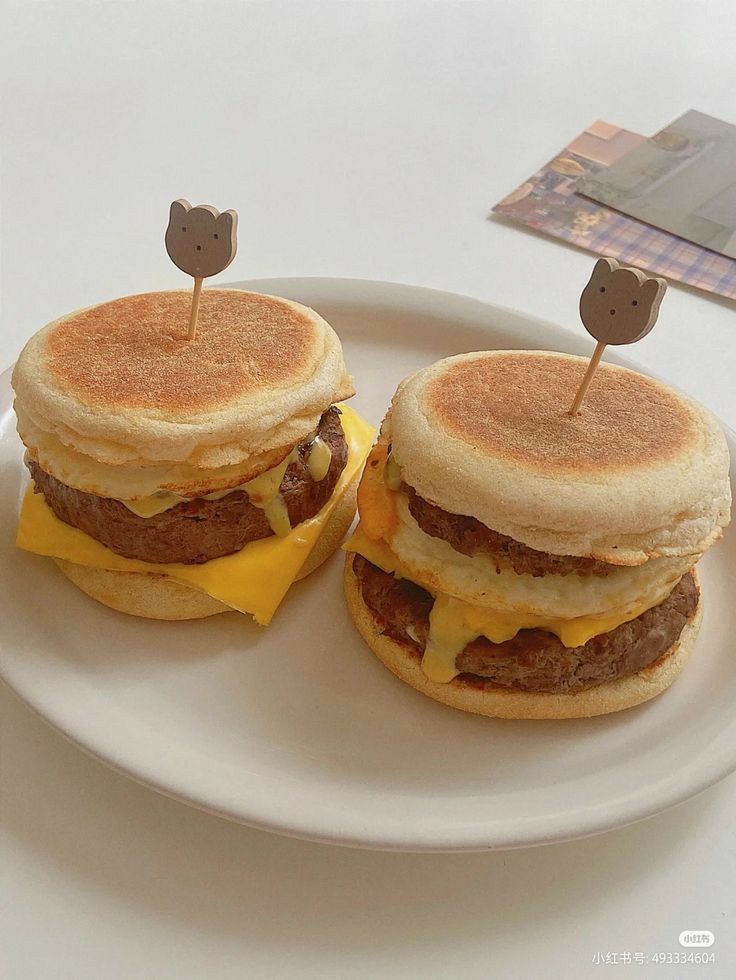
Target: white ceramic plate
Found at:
298, 728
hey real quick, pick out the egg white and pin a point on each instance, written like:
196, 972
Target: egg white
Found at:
485, 581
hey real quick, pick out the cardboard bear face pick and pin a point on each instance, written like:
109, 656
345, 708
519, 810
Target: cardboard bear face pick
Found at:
200, 241
619, 305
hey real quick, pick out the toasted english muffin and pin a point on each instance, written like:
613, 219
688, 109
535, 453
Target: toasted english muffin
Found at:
641, 472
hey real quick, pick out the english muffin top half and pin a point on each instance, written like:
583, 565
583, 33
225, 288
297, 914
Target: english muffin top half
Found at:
116, 400
641, 472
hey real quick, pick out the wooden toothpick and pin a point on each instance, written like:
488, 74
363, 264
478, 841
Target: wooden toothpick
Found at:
194, 314
594, 361
619, 305
200, 241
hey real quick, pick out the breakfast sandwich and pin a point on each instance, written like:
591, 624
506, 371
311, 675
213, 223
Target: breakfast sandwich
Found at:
514, 560
176, 477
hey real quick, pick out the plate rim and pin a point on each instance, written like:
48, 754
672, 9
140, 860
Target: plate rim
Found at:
718, 764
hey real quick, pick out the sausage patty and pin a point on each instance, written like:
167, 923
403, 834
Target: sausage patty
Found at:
534, 660
468, 536
198, 530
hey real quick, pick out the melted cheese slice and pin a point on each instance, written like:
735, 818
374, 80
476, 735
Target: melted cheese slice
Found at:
262, 490
253, 580
454, 623
392, 474
319, 459
157, 503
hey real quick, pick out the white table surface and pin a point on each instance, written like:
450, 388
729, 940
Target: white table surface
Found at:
355, 139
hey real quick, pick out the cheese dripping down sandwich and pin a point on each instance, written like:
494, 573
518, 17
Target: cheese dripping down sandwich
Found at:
514, 561
177, 478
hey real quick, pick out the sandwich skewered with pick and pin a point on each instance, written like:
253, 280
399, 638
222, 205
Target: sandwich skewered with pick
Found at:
516, 560
176, 479
182, 471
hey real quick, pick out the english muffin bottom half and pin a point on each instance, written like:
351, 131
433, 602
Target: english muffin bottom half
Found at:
514, 561
176, 478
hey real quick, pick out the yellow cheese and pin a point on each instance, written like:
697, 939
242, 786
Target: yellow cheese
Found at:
454, 623
376, 552
253, 580
159, 502
392, 473
151, 506
262, 490
277, 515
319, 459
